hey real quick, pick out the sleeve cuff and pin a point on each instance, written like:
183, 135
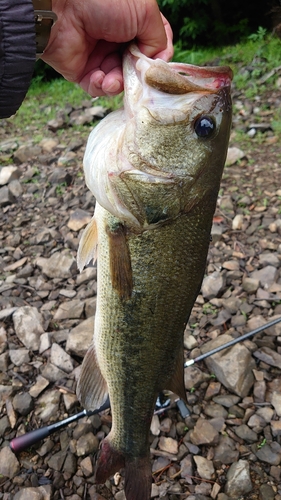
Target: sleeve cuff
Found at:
17, 53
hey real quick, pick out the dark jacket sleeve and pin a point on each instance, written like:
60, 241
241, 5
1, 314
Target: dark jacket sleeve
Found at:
17, 53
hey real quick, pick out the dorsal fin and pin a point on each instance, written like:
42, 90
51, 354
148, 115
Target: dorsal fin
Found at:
87, 245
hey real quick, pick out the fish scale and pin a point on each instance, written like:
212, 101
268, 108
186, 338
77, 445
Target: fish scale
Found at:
152, 224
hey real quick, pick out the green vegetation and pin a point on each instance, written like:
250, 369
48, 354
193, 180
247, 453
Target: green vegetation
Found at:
252, 59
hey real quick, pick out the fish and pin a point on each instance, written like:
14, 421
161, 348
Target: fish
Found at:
154, 168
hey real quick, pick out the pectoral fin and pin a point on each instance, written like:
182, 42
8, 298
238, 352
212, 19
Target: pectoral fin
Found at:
120, 262
87, 245
176, 383
91, 388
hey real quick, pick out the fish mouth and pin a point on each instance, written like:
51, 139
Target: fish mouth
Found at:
177, 78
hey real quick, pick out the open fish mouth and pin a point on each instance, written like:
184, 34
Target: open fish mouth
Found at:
178, 78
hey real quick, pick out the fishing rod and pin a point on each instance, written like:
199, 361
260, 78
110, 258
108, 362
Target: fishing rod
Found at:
23, 442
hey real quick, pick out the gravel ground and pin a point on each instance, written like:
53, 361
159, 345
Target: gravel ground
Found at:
229, 446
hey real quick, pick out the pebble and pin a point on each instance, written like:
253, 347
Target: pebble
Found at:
205, 467
168, 444
212, 285
28, 324
80, 337
86, 444
9, 465
232, 367
23, 403
276, 401
60, 358
59, 265
238, 479
204, 433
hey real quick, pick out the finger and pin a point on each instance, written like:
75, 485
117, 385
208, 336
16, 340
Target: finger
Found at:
151, 36
168, 52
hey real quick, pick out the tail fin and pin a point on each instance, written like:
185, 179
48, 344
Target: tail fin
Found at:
137, 471
138, 479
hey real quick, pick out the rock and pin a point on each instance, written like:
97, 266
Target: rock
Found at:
232, 367
9, 465
28, 324
45, 342
193, 377
70, 464
59, 265
215, 410
87, 466
226, 400
226, 452
25, 152
205, 467
69, 310
204, 433
6, 197
9, 174
78, 219
15, 188
266, 492
238, 480
88, 274
39, 386
276, 427
60, 358
237, 222
212, 285
19, 356
276, 401
186, 466
4, 362
155, 425
269, 259
233, 155
56, 461
245, 433
68, 293
80, 337
266, 276
268, 356
250, 285
267, 453
48, 144
30, 494
52, 373
86, 444
168, 444
23, 403
47, 405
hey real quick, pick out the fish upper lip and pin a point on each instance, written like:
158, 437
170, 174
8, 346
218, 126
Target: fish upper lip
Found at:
191, 78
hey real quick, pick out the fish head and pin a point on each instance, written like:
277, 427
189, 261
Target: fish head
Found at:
179, 118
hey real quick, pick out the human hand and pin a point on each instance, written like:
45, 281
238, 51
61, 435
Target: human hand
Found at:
90, 36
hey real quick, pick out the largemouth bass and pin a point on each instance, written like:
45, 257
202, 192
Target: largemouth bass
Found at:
154, 168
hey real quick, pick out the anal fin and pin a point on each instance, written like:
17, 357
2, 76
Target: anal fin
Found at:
91, 387
120, 262
87, 245
176, 383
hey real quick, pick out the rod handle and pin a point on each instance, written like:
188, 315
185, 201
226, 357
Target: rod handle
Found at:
20, 443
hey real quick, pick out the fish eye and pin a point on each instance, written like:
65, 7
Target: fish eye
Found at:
204, 126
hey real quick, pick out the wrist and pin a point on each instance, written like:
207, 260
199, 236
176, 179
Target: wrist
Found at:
45, 14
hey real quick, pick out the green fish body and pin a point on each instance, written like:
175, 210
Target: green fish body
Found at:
155, 169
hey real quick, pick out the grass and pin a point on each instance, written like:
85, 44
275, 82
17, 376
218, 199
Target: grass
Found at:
260, 52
